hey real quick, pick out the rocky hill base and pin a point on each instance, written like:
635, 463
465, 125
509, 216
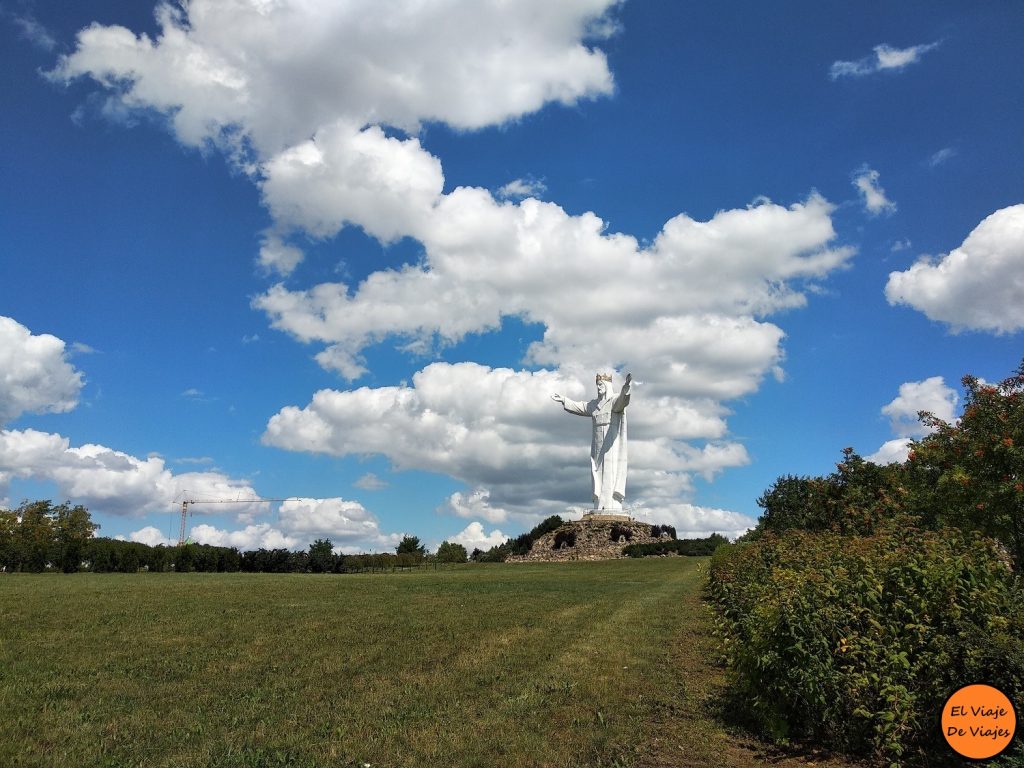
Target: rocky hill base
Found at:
591, 539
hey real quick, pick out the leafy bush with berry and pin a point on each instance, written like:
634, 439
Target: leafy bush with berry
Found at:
855, 642
863, 599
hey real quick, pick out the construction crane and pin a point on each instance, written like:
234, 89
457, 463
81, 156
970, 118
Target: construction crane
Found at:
185, 504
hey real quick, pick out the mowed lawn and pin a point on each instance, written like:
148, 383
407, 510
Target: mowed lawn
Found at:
584, 664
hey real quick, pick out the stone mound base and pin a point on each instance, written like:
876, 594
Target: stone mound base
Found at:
605, 517
587, 539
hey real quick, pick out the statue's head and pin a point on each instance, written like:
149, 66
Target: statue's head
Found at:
604, 381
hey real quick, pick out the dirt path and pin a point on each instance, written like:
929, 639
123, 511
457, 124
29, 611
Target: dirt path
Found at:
689, 734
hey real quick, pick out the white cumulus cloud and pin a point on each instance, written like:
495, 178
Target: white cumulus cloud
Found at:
978, 286
151, 536
473, 537
308, 123
350, 527
692, 295
277, 256
931, 395
344, 522
475, 504
891, 452
35, 375
697, 522
468, 63
348, 175
110, 481
252, 537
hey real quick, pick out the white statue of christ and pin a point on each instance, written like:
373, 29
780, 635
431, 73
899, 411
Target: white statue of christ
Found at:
608, 447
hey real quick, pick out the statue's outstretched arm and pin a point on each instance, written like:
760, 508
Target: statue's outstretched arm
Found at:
623, 399
572, 406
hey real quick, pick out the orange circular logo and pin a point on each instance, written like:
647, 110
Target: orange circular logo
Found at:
978, 721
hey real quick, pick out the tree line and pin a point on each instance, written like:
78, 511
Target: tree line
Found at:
42, 536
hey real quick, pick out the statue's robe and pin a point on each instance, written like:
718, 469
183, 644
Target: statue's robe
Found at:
608, 448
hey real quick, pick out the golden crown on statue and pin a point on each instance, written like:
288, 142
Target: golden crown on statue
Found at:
604, 377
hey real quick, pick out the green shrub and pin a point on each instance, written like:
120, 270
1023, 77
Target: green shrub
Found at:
855, 642
691, 547
564, 539
658, 531
970, 473
518, 546
451, 552
854, 499
619, 532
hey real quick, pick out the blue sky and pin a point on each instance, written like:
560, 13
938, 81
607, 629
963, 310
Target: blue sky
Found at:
314, 251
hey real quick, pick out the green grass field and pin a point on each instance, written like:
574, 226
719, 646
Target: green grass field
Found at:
584, 664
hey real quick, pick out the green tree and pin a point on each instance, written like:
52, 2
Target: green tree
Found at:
791, 502
207, 558
185, 558
407, 560
321, 556
410, 545
9, 557
229, 560
35, 540
129, 562
73, 527
450, 552
100, 554
158, 558
971, 473
854, 499
521, 544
